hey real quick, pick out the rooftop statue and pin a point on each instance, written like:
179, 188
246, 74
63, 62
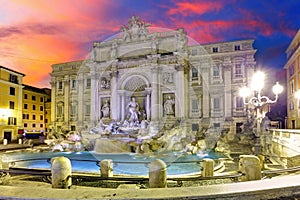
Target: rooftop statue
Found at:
135, 29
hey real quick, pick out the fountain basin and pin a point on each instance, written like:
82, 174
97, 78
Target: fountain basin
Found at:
125, 163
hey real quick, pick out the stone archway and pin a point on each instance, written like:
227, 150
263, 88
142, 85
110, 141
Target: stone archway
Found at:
136, 86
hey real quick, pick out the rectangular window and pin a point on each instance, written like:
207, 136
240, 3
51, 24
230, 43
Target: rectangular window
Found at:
41, 108
12, 121
237, 47
215, 49
238, 70
194, 73
46, 120
12, 91
216, 71
195, 127
291, 70
41, 117
41, 126
73, 128
73, 66
13, 78
292, 87
33, 125
23, 116
33, 98
25, 125
33, 117
33, 107
73, 84
60, 68
25, 96
216, 125
41, 99
216, 103
11, 105
195, 107
60, 85
239, 102
25, 106
88, 83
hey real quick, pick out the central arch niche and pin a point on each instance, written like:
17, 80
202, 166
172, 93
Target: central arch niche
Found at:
136, 86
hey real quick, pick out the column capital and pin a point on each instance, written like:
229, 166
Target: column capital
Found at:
114, 73
179, 67
155, 69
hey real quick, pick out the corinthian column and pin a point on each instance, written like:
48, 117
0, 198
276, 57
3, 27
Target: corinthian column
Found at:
114, 95
180, 106
155, 94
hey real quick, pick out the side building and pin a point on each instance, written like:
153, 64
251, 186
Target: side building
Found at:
165, 78
35, 112
292, 67
10, 103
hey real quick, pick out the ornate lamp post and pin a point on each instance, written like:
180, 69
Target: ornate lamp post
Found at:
258, 101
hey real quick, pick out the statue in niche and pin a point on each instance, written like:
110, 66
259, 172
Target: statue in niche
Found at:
106, 109
133, 109
105, 84
168, 106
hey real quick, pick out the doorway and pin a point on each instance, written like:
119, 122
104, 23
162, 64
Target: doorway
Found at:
8, 135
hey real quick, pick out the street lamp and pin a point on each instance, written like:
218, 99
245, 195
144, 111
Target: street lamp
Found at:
258, 101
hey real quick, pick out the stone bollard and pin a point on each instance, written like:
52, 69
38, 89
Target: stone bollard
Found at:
106, 168
250, 166
157, 174
207, 167
4, 164
20, 141
5, 141
61, 171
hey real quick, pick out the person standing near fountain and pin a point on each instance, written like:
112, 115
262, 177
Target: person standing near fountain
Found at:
106, 109
133, 109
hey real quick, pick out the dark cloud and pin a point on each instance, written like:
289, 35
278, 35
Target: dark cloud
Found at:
29, 28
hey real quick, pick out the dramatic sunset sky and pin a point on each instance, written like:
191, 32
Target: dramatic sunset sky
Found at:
34, 34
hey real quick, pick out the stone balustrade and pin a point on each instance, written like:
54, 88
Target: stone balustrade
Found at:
286, 146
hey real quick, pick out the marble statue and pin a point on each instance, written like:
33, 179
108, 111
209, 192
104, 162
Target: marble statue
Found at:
133, 109
106, 109
113, 52
168, 106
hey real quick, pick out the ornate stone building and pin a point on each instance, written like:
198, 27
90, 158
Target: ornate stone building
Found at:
169, 81
292, 67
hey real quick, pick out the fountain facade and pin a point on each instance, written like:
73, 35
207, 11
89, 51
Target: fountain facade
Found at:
145, 82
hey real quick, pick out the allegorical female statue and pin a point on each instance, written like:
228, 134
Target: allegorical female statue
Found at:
168, 106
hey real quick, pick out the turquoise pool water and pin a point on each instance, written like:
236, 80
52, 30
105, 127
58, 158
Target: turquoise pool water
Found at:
127, 163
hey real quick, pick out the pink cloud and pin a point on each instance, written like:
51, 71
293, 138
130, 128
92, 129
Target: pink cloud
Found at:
195, 7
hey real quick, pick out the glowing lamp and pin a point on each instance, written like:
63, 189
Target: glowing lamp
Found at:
245, 92
258, 81
297, 94
277, 89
